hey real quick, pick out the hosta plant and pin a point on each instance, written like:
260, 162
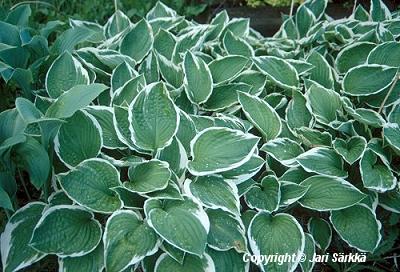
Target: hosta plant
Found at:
169, 145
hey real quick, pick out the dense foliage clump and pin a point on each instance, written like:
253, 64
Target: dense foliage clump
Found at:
168, 145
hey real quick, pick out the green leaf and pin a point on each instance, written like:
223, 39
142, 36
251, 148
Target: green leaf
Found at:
329, 193
309, 251
116, 24
127, 240
38, 169
59, 222
291, 192
390, 201
214, 192
175, 155
321, 231
323, 103
27, 110
148, 177
227, 68
78, 139
70, 38
216, 149
153, 118
226, 231
229, 260
265, 196
391, 132
369, 79
353, 55
278, 71
351, 149
104, 116
383, 54
121, 74
261, 115
245, 171
191, 263
265, 238
74, 99
297, 113
198, 81
358, 227
322, 71
376, 173
89, 184
237, 46
322, 160
138, 41
379, 11
94, 261
225, 96
16, 253
181, 223
283, 150
65, 73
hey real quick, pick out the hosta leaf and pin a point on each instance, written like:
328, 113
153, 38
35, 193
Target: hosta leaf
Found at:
116, 23
265, 234
322, 71
192, 263
226, 68
297, 113
323, 103
182, 223
350, 150
74, 99
322, 161
175, 155
390, 201
198, 81
309, 251
321, 231
329, 193
225, 95
63, 221
89, 184
312, 137
229, 260
214, 193
78, 139
164, 43
153, 118
266, 196
226, 231
261, 115
121, 74
15, 250
104, 116
283, 150
358, 226
279, 71
366, 80
65, 73
216, 150
376, 173
291, 192
379, 11
138, 42
238, 26
127, 240
150, 68
29, 152
148, 177
94, 261
237, 46
383, 54
391, 132
305, 18
353, 55
245, 171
